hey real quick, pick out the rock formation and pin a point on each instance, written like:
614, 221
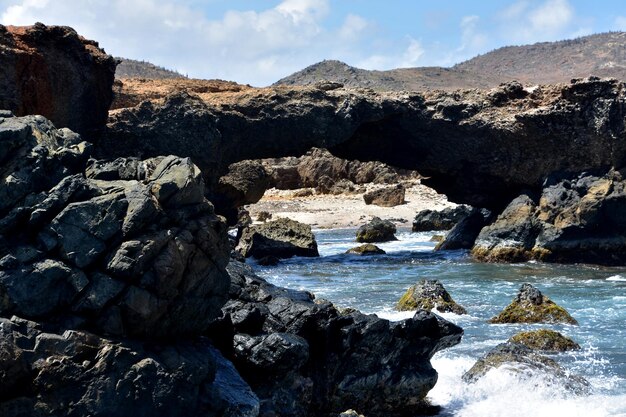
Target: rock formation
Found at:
303, 357
545, 340
429, 295
446, 219
365, 249
531, 306
376, 230
386, 196
54, 72
282, 238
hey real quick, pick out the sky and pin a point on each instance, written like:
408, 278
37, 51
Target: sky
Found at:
258, 42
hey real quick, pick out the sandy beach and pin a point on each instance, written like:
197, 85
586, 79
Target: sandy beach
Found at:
324, 211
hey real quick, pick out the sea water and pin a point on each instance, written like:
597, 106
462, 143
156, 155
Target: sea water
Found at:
594, 295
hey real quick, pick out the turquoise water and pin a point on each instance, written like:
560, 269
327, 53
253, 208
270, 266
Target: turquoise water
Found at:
595, 296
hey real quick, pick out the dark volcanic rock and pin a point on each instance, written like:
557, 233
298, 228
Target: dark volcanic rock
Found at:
282, 238
446, 219
54, 72
578, 218
428, 295
531, 306
366, 249
386, 197
139, 253
525, 362
78, 373
376, 230
464, 233
245, 183
303, 357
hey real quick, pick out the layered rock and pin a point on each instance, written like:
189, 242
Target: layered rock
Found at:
54, 72
545, 340
578, 218
386, 196
446, 219
282, 238
302, 356
376, 230
531, 306
525, 362
429, 295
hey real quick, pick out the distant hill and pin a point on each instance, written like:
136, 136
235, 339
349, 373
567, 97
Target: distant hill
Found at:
129, 68
603, 55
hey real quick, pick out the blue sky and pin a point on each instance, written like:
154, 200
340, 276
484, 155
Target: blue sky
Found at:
260, 41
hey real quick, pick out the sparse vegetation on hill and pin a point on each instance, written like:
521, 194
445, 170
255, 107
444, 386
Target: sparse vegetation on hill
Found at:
129, 68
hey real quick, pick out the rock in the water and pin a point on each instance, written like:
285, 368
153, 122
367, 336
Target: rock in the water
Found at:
574, 219
376, 230
54, 72
350, 413
282, 238
428, 295
524, 362
304, 357
366, 249
531, 306
545, 340
464, 233
446, 219
80, 373
386, 197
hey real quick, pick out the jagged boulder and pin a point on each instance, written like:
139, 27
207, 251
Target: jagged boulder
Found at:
531, 306
54, 72
446, 219
429, 295
525, 362
365, 249
50, 373
245, 183
282, 238
386, 196
302, 356
376, 230
464, 233
545, 340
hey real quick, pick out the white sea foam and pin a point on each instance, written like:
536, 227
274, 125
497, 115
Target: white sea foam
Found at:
502, 392
619, 278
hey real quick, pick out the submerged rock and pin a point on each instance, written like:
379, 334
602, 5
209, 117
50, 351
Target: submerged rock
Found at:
376, 230
429, 295
302, 356
366, 249
446, 219
545, 340
531, 306
282, 238
386, 197
526, 363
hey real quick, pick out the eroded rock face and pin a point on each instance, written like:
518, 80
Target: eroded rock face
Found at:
525, 362
574, 219
531, 306
446, 219
386, 197
282, 238
131, 248
72, 372
302, 356
54, 72
245, 183
376, 230
428, 295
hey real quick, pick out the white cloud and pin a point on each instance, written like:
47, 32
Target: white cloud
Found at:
353, 27
550, 20
412, 54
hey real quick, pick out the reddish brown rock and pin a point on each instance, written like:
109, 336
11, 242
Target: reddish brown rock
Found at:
52, 71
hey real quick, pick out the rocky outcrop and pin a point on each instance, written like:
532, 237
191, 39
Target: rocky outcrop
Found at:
245, 183
545, 340
54, 72
446, 219
366, 249
302, 356
386, 196
525, 362
531, 306
282, 238
478, 148
574, 219
429, 295
464, 233
376, 230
